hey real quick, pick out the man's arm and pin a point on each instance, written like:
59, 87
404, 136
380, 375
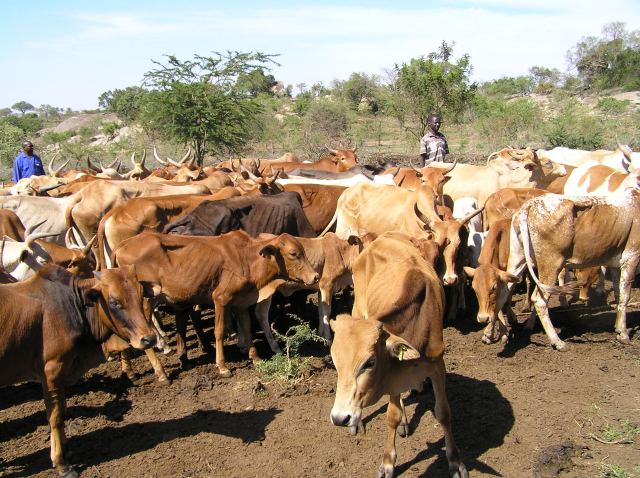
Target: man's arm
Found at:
16, 170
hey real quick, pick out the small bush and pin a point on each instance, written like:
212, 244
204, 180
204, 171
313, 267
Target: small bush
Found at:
55, 137
289, 367
11, 138
109, 128
611, 106
613, 471
574, 128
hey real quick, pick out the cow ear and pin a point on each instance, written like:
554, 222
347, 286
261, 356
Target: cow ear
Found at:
268, 250
354, 241
400, 349
506, 277
469, 271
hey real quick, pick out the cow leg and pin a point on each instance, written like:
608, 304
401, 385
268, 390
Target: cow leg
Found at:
615, 281
196, 320
325, 294
562, 279
394, 416
443, 415
181, 338
54, 401
244, 330
403, 428
220, 311
158, 369
541, 300
127, 368
262, 315
627, 274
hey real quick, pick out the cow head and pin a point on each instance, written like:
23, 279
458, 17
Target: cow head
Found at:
513, 158
364, 355
342, 159
118, 295
449, 234
487, 282
287, 252
139, 170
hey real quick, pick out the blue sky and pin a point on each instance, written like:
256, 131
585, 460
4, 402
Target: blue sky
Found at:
66, 53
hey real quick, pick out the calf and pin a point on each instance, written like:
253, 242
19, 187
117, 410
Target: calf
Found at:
232, 271
52, 327
392, 343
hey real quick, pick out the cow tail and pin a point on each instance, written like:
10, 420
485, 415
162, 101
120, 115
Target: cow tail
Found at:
101, 255
568, 288
71, 224
331, 223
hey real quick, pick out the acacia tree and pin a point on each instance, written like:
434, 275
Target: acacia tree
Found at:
23, 107
435, 84
199, 101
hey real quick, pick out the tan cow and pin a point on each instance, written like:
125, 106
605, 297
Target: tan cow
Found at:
11, 225
319, 202
339, 160
516, 168
232, 272
585, 231
505, 202
578, 157
392, 344
377, 208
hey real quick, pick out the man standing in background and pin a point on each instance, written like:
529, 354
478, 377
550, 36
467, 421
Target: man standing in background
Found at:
433, 145
27, 163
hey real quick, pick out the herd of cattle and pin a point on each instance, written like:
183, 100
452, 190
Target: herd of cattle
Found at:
120, 245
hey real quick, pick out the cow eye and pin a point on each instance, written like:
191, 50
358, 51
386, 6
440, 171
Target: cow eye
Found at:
368, 365
114, 304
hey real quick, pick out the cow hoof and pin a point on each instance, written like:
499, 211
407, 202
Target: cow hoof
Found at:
224, 372
458, 471
168, 350
385, 471
130, 375
486, 340
623, 338
561, 346
164, 381
68, 473
403, 430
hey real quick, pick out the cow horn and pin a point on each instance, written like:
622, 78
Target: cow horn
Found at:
144, 156
396, 173
332, 151
91, 166
453, 165
155, 155
421, 216
471, 215
173, 163
186, 156
29, 240
49, 188
87, 248
413, 167
53, 172
112, 164
133, 159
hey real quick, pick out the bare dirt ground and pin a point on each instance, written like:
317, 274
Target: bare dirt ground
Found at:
520, 411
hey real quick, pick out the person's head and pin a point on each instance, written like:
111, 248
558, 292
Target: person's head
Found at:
27, 147
434, 121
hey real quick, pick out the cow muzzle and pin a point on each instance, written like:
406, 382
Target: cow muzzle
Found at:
450, 279
144, 342
483, 318
354, 423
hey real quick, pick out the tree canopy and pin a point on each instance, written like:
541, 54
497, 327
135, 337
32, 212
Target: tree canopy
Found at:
23, 107
200, 102
432, 84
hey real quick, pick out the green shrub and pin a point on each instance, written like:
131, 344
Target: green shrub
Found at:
109, 128
574, 127
55, 137
290, 366
10, 139
612, 106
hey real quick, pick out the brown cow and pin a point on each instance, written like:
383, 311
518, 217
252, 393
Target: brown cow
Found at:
11, 225
232, 272
52, 327
392, 344
339, 160
332, 258
318, 202
412, 178
505, 202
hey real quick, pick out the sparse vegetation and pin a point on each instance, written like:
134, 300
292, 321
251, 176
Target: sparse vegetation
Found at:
290, 366
613, 471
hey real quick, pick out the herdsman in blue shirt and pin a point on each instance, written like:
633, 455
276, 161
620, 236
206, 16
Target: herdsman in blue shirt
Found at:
27, 163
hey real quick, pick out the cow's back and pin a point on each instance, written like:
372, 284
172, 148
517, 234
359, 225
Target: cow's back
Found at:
396, 286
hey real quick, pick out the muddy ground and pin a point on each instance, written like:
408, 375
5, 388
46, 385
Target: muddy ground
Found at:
520, 411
